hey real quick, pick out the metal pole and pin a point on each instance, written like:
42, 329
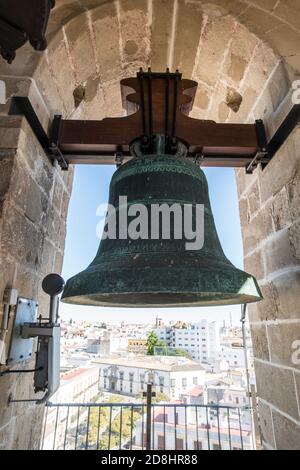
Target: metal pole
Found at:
243, 321
148, 423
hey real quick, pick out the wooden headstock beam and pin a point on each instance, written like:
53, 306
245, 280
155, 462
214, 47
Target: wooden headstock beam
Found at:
157, 103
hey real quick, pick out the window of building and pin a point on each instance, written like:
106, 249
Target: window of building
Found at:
173, 383
151, 378
179, 444
195, 380
161, 384
160, 443
184, 382
197, 445
217, 447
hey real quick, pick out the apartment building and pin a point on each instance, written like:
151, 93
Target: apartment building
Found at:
200, 340
137, 345
172, 376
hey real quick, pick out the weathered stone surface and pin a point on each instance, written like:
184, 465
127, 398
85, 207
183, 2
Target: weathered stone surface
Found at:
233, 99
279, 253
8, 385
254, 264
6, 166
258, 229
161, 34
267, 309
287, 335
136, 33
65, 80
27, 280
280, 210
80, 47
297, 382
287, 433
21, 238
279, 86
244, 181
254, 200
260, 342
294, 235
293, 191
259, 21
57, 194
277, 387
31, 438
106, 30
285, 39
240, 53
212, 48
288, 295
26, 256
283, 166
6, 435
188, 33
249, 97
266, 424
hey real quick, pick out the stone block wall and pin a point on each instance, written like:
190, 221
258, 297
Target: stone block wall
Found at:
34, 197
270, 218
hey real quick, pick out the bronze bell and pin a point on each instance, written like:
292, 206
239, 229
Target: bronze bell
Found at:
161, 272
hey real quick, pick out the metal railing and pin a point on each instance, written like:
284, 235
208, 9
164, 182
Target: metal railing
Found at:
127, 426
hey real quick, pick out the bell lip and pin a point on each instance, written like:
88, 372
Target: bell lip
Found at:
246, 291
235, 299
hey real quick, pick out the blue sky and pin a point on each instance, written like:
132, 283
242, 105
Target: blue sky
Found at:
91, 186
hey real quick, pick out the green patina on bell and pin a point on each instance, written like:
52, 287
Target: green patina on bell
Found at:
161, 273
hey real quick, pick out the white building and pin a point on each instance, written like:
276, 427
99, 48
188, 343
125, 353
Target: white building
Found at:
234, 357
107, 343
172, 376
209, 429
79, 385
200, 340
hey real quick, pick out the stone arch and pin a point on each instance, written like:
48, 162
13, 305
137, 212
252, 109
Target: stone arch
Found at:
244, 54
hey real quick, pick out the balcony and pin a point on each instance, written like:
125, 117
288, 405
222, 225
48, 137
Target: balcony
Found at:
134, 426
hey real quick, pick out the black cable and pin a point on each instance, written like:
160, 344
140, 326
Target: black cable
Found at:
28, 371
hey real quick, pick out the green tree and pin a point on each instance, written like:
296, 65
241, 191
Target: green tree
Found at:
159, 397
183, 353
152, 342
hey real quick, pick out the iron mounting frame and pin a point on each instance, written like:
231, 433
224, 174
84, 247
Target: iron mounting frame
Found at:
56, 150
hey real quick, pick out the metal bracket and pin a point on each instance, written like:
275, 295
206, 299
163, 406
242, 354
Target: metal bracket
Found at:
52, 146
284, 131
269, 149
21, 105
262, 144
47, 332
119, 159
